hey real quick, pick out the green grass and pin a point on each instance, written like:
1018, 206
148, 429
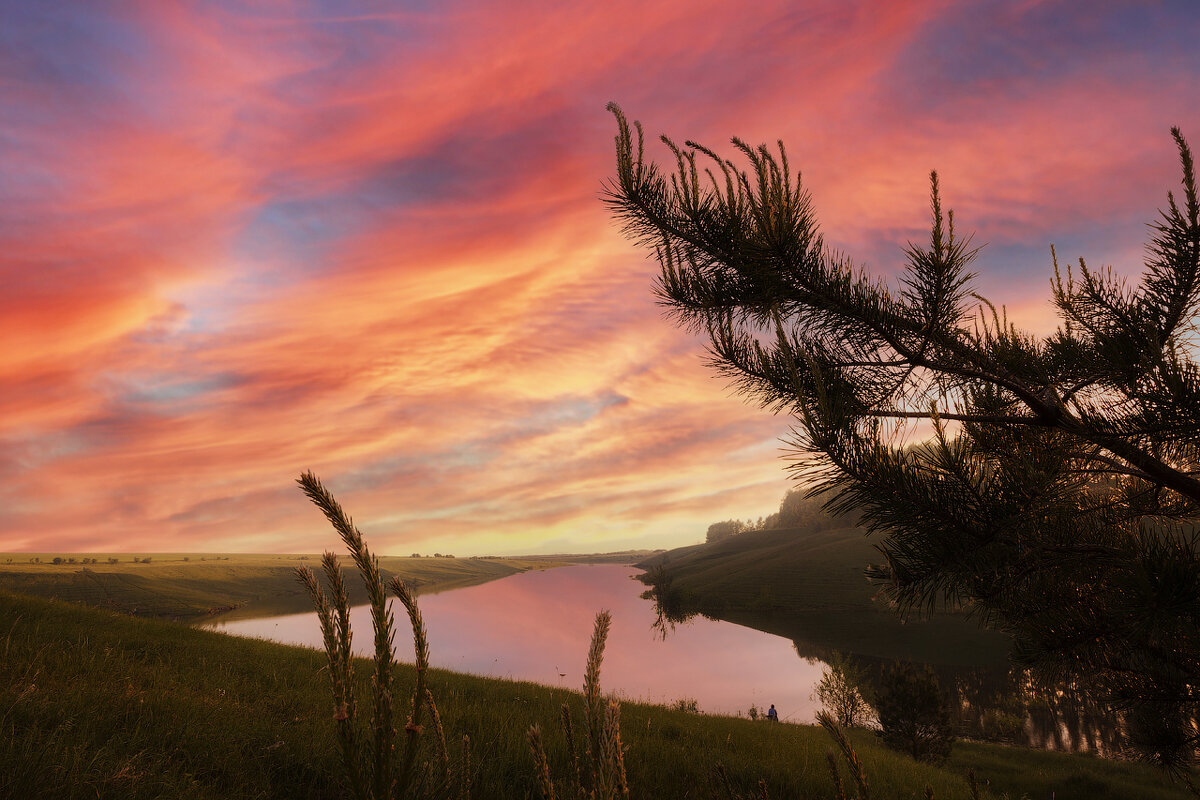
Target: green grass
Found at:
191, 586
99, 705
809, 587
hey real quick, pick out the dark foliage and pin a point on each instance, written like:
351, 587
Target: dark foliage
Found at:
913, 716
1059, 492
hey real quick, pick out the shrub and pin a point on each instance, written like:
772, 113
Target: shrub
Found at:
1000, 725
913, 718
839, 692
688, 705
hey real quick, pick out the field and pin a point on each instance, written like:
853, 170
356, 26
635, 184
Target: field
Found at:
192, 586
808, 586
102, 705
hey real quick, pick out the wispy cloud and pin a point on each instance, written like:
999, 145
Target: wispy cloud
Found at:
239, 241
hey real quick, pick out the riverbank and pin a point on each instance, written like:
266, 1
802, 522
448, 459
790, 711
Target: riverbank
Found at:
195, 586
808, 586
103, 705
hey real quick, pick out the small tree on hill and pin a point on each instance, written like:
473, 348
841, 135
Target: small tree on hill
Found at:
1059, 495
723, 530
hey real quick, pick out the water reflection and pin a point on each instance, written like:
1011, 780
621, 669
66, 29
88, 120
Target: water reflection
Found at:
536, 626
992, 704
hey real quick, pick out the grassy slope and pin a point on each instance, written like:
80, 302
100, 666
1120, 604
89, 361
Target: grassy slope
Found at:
94, 704
809, 587
237, 585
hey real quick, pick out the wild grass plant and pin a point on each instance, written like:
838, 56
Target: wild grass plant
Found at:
374, 768
605, 753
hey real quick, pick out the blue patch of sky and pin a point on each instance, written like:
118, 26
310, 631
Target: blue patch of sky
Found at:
479, 157
352, 39
976, 44
61, 53
298, 233
27, 451
89, 59
173, 394
105, 430
303, 231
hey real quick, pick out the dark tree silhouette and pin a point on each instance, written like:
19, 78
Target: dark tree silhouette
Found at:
913, 716
1059, 492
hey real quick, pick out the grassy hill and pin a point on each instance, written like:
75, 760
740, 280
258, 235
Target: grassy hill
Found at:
197, 585
807, 584
99, 705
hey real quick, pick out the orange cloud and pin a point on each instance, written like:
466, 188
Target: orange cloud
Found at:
237, 244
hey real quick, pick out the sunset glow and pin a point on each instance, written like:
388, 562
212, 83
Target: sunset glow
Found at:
243, 240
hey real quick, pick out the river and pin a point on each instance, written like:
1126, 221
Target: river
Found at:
536, 626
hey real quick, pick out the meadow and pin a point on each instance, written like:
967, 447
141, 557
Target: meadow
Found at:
194, 586
100, 704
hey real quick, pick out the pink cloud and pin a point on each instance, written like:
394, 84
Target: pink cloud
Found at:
240, 245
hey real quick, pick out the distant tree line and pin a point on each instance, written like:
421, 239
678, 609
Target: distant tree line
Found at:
796, 512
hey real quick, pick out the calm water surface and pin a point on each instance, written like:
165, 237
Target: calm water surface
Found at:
536, 626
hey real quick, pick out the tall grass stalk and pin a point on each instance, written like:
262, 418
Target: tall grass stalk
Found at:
852, 763
568, 730
373, 775
602, 717
439, 734
839, 793
464, 770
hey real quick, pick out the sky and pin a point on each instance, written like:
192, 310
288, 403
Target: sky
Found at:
240, 240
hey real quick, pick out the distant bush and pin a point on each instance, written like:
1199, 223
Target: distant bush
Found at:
416, 555
57, 560
688, 705
114, 560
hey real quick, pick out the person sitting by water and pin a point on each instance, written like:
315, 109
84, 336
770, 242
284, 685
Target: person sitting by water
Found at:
772, 714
